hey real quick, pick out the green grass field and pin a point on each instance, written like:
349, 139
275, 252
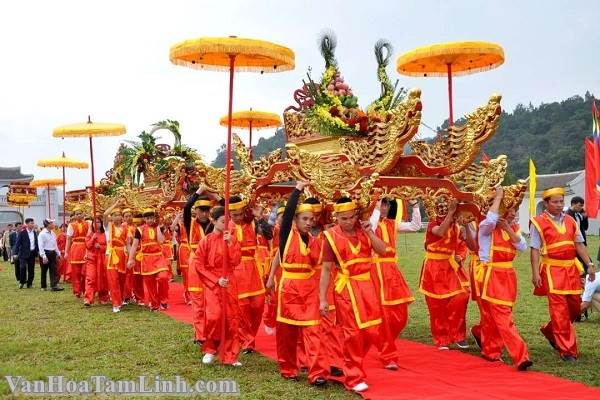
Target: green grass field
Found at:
45, 333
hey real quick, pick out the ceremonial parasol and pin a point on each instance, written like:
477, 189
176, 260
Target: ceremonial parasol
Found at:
90, 129
63, 162
47, 183
231, 54
450, 59
252, 119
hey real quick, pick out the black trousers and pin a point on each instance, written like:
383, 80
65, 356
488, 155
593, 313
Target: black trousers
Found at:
17, 265
50, 267
27, 269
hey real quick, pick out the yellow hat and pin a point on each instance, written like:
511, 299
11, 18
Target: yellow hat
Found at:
116, 210
343, 207
237, 206
304, 207
557, 191
317, 208
127, 210
203, 203
148, 212
280, 210
136, 220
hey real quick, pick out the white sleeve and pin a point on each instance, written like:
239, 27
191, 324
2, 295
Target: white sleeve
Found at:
70, 230
415, 223
374, 220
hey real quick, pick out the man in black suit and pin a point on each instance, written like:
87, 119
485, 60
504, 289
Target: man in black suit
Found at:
27, 250
12, 241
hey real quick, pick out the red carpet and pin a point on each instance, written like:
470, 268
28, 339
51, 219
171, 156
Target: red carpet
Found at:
428, 373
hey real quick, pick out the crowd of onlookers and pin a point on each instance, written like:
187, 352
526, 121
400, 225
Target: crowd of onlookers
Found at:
24, 245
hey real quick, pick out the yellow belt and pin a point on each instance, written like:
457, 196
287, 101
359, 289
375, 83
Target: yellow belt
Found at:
247, 258
78, 240
343, 279
563, 263
386, 259
114, 258
297, 275
442, 256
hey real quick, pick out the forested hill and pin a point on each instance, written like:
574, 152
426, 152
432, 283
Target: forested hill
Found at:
551, 133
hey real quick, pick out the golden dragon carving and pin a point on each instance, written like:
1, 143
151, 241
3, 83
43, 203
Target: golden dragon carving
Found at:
461, 144
386, 139
481, 178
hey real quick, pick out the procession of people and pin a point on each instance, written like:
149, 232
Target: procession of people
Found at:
329, 289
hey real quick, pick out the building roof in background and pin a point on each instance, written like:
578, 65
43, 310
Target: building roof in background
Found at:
12, 174
555, 180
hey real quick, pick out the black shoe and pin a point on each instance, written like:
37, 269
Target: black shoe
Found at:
335, 371
28, 286
57, 289
549, 341
524, 366
21, 286
87, 304
291, 378
319, 381
569, 358
164, 306
248, 351
198, 342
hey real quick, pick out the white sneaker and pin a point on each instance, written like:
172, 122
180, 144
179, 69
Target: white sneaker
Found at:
361, 387
116, 309
268, 330
208, 358
236, 364
443, 348
392, 366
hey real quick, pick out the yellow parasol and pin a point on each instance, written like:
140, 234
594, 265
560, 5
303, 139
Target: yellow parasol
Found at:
90, 129
450, 59
252, 120
63, 162
47, 183
231, 54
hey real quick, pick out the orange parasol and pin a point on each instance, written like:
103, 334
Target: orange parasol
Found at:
231, 54
450, 59
252, 119
47, 183
90, 129
63, 162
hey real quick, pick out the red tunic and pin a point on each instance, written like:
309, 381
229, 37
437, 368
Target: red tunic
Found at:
262, 255
167, 246
298, 290
77, 250
208, 261
117, 258
559, 267
391, 284
353, 281
247, 276
183, 250
439, 275
152, 260
500, 281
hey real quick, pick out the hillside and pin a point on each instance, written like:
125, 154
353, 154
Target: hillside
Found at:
551, 133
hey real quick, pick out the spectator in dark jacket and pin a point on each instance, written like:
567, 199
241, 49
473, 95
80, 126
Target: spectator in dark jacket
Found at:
27, 250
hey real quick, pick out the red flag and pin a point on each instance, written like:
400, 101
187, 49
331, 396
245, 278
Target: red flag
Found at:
485, 157
592, 197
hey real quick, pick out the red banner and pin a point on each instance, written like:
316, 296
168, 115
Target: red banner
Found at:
592, 198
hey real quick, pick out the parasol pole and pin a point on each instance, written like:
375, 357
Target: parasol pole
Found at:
64, 194
227, 195
250, 144
451, 120
48, 196
93, 179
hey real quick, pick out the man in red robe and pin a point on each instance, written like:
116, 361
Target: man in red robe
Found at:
348, 249
250, 285
555, 244
75, 250
116, 263
297, 292
440, 281
220, 291
149, 238
499, 240
394, 293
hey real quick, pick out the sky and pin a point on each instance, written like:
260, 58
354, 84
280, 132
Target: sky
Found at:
65, 60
